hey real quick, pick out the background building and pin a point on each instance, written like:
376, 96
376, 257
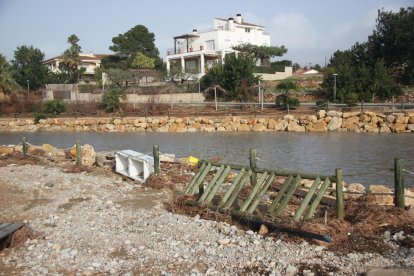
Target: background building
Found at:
197, 51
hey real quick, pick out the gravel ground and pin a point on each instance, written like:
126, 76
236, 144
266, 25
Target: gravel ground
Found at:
96, 223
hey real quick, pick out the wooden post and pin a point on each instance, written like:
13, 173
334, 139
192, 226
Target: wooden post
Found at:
399, 182
24, 143
253, 165
327, 105
78, 153
156, 155
288, 108
362, 106
339, 195
393, 102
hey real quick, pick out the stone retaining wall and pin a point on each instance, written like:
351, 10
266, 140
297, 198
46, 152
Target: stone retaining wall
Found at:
320, 122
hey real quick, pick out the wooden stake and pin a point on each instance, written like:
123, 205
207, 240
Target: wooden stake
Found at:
156, 155
339, 195
399, 182
253, 165
24, 142
78, 153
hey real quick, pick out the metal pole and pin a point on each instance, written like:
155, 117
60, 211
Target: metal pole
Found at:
215, 96
335, 89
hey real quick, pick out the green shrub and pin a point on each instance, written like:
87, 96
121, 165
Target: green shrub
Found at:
54, 107
111, 99
283, 101
38, 117
350, 99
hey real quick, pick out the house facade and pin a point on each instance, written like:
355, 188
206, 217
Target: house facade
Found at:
88, 61
197, 51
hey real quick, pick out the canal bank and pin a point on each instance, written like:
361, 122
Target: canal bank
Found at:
322, 121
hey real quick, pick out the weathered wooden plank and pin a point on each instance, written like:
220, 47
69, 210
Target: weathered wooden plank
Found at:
340, 213
216, 187
211, 184
256, 189
259, 196
399, 182
289, 193
232, 187
326, 199
200, 179
280, 193
312, 207
237, 190
195, 177
307, 199
6, 229
279, 172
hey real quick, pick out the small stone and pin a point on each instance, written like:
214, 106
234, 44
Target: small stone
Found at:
242, 243
249, 232
49, 184
263, 230
224, 241
291, 270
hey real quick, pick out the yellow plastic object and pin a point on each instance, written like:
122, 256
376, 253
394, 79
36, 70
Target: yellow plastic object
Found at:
193, 161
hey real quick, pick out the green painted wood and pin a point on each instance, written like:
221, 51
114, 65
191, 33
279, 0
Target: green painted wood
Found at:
253, 165
339, 195
200, 179
195, 177
289, 193
307, 199
399, 182
260, 195
280, 194
321, 192
24, 143
238, 189
78, 153
255, 190
279, 172
216, 186
232, 187
211, 184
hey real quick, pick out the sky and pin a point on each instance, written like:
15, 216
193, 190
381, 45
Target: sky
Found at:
311, 30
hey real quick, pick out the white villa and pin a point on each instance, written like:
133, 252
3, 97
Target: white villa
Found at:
197, 51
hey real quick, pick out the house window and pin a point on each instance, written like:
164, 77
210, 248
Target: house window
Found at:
247, 30
210, 45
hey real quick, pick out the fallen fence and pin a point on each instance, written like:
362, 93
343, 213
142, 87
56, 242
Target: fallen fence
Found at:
213, 193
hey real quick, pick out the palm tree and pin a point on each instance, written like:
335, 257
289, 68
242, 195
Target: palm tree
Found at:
71, 60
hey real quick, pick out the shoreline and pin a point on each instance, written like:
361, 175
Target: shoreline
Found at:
322, 121
98, 203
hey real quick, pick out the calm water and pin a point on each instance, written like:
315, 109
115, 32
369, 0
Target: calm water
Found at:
364, 158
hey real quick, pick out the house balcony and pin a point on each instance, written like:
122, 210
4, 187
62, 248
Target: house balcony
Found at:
172, 51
